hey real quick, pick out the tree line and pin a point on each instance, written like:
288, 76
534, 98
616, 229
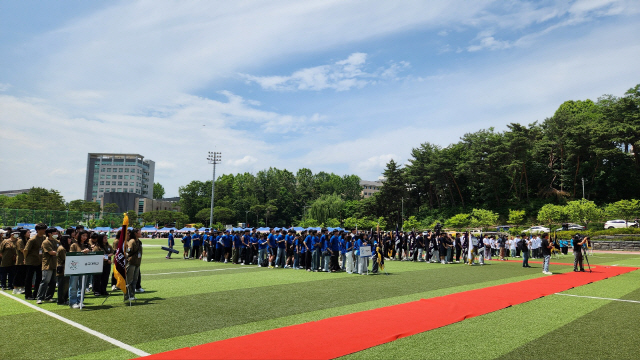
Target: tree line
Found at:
586, 148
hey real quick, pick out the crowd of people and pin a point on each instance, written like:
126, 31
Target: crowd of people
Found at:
34, 265
339, 250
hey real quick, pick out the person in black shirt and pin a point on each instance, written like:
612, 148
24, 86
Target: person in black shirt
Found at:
546, 253
577, 252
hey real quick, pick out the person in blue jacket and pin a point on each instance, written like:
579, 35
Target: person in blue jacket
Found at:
170, 243
308, 244
227, 240
263, 248
186, 243
272, 247
219, 247
195, 246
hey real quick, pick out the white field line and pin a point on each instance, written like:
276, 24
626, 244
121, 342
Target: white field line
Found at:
99, 335
196, 271
599, 298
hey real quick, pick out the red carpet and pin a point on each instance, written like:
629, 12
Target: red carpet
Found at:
342, 335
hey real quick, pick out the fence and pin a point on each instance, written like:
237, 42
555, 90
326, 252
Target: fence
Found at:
13, 217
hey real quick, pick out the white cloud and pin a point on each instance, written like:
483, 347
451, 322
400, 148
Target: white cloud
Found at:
4, 86
340, 76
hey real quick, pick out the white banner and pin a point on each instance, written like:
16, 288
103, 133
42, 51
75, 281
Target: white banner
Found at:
78, 263
365, 251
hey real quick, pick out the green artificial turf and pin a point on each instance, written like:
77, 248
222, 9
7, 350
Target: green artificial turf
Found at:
191, 302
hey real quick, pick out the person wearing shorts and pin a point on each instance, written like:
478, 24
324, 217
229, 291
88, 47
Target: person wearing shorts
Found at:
186, 241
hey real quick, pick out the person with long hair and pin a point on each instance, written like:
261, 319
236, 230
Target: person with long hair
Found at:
133, 253
63, 281
79, 245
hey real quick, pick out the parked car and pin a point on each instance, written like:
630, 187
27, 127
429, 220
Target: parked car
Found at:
536, 230
572, 227
620, 224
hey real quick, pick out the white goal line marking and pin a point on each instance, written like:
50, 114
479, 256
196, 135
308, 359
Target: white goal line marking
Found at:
102, 336
599, 298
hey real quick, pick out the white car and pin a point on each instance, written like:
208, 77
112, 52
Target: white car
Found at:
617, 224
536, 230
572, 227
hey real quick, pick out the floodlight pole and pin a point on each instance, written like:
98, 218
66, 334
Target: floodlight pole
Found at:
214, 158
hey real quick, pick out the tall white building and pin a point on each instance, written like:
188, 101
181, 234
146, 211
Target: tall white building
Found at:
125, 173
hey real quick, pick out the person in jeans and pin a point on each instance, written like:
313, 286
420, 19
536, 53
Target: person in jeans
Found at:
524, 246
75, 281
546, 247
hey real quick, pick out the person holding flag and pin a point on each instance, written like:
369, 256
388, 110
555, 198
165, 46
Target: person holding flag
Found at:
120, 264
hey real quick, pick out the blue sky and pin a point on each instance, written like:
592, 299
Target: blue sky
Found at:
340, 86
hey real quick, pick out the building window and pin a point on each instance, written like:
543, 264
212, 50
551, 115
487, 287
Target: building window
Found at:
126, 170
101, 190
124, 190
108, 176
101, 176
107, 190
113, 189
108, 169
101, 183
102, 170
126, 183
95, 183
120, 170
119, 189
119, 183
120, 177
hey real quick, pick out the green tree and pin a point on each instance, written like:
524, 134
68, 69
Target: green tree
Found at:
158, 191
516, 216
392, 193
110, 208
624, 209
459, 221
483, 218
411, 224
326, 207
583, 211
550, 214
133, 218
222, 214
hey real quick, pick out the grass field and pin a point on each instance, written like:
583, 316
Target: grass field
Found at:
192, 302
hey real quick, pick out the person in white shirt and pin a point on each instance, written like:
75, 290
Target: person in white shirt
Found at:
487, 248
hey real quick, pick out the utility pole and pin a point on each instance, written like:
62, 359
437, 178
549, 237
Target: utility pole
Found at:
214, 158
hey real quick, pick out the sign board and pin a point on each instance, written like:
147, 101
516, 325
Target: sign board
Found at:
78, 263
365, 251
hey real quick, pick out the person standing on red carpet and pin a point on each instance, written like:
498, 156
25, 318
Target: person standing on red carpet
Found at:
546, 246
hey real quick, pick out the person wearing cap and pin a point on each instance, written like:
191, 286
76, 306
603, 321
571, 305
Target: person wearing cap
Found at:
49, 263
7, 260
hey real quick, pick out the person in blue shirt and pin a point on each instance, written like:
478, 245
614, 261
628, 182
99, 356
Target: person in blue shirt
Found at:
236, 246
170, 243
205, 245
186, 242
282, 249
195, 246
290, 238
272, 247
296, 252
334, 249
227, 241
308, 245
219, 247
315, 251
246, 255
254, 246
348, 247
263, 248
324, 248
